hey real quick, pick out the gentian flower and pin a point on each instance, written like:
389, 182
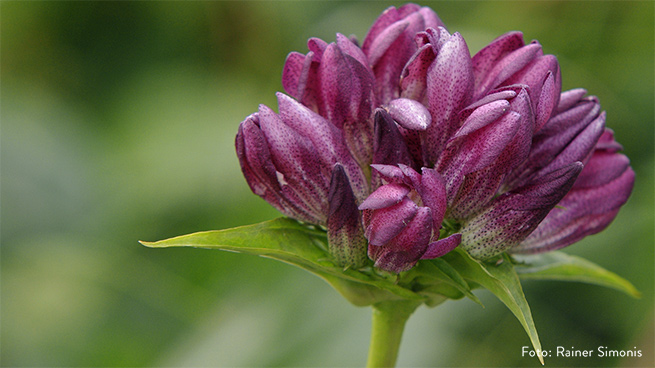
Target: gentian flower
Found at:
404, 216
407, 147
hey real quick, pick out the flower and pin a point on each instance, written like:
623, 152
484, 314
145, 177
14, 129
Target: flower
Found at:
404, 216
407, 147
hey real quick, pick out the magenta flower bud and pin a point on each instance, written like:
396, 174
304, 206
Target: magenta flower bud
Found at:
508, 61
511, 217
444, 69
569, 136
287, 159
389, 44
346, 239
403, 218
336, 81
494, 139
603, 186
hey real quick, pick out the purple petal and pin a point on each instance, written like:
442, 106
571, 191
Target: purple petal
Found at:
349, 48
514, 215
413, 83
544, 192
602, 168
385, 196
327, 139
390, 172
262, 176
606, 142
403, 251
561, 131
484, 61
450, 83
296, 161
442, 246
492, 97
386, 19
433, 194
582, 212
535, 75
477, 150
482, 116
299, 79
547, 101
389, 147
568, 99
346, 239
389, 45
386, 223
292, 72
504, 65
481, 186
581, 147
411, 177
410, 114
317, 47
383, 41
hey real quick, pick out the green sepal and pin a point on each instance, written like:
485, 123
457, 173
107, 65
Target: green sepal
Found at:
302, 245
564, 267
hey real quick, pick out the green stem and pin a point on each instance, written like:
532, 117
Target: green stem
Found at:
387, 330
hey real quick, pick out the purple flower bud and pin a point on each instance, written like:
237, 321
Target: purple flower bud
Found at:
344, 227
449, 87
389, 44
511, 217
403, 218
288, 159
493, 140
603, 186
336, 81
507, 61
569, 136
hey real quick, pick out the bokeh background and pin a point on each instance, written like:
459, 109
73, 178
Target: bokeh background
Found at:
118, 123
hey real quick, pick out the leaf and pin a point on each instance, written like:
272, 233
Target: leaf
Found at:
564, 267
440, 277
301, 245
501, 279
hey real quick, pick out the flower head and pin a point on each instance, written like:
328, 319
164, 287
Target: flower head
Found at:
407, 147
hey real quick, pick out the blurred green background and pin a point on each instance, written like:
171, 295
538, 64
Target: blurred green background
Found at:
118, 123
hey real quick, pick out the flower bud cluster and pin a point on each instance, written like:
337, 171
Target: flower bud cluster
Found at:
384, 143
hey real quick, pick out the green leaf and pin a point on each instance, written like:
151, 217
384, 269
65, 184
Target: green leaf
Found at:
438, 277
501, 279
301, 245
563, 267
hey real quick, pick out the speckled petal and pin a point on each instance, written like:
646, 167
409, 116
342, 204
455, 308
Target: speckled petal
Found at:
385, 196
442, 247
449, 88
403, 251
410, 114
514, 215
386, 223
346, 239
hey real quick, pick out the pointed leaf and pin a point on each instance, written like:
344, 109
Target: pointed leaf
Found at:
301, 245
501, 279
563, 267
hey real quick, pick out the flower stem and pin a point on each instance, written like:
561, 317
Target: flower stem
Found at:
387, 330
